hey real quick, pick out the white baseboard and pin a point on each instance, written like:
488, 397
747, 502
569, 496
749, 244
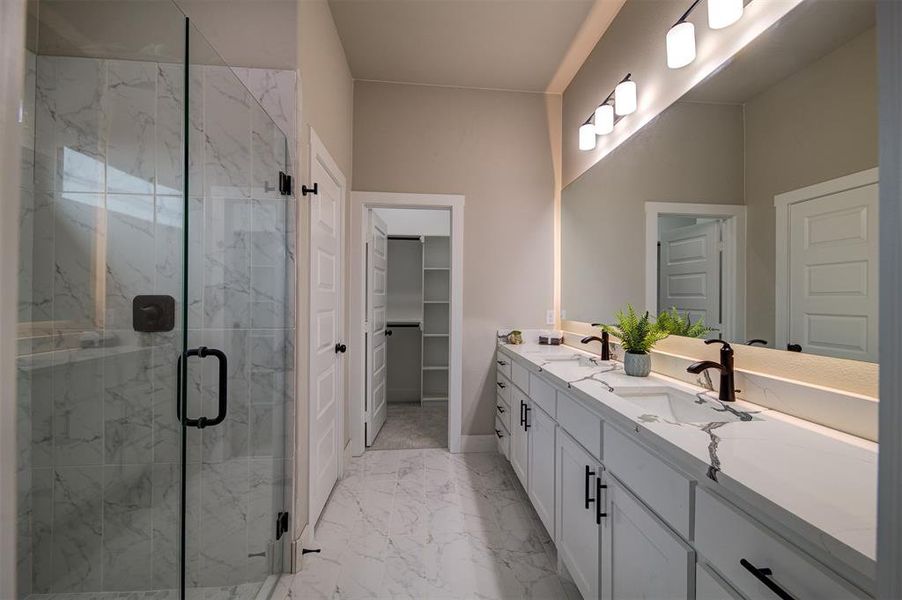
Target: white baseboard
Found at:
478, 443
346, 456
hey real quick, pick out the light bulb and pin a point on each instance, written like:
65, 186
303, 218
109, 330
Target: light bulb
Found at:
604, 119
587, 137
723, 13
625, 97
680, 45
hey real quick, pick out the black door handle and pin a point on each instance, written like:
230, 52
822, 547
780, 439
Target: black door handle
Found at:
589, 475
340, 348
388, 332
794, 347
763, 575
598, 512
203, 422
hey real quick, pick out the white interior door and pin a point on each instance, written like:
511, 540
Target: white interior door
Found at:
325, 326
689, 272
377, 300
833, 274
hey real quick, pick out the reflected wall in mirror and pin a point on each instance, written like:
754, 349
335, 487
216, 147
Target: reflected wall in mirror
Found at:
751, 203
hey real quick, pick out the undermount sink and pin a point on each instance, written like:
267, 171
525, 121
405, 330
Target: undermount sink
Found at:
670, 404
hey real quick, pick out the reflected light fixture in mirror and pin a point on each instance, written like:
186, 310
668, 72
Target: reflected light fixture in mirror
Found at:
723, 13
680, 45
625, 97
604, 119
587, 136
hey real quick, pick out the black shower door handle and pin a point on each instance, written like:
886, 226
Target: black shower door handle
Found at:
203, 422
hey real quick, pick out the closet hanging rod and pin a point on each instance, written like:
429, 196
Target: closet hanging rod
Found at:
405, 237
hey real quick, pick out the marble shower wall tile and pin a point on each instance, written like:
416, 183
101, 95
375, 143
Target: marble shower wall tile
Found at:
78, 235
131, 113
77, 528
229, 440
169, 139
25, 274
224, 523
42, 530
130, 245
227, 277
269, 263
28, 121
268, 154
71, 130
128, 406
163, 378
276, 91
227, 129
78, 393
127, 527
43, 255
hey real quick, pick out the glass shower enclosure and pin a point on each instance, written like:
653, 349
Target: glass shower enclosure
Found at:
156, 313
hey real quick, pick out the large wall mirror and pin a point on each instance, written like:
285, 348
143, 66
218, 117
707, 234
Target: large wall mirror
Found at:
750, 205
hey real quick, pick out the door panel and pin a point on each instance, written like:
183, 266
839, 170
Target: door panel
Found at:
833, 274
541, 451
689, 272
519, 436
577, 531
377, 265
325, 375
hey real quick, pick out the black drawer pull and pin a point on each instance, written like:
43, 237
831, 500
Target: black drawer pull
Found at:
589, 475
526, 424
599, 513
499, 434
501, 385
522, 413
500, 409
503, 363
764, 576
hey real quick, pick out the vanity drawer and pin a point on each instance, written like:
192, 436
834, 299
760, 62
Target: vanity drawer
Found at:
582, 424
503, 363
503, 387
724, 536
520, 376
503, 411
542, 394
504, 438
666, 491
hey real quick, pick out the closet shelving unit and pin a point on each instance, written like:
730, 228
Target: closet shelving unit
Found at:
436, 317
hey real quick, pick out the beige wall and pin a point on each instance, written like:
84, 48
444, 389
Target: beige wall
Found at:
326, 94
494, 148
818, 124
691, 153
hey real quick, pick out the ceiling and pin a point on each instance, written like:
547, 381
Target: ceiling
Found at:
808, 33
493, 44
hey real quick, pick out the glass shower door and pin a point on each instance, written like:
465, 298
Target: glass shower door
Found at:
237, 376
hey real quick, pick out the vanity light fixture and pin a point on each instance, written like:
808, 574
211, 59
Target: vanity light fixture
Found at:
605, 115
681, 41
723, 13
587, 136
604, 119
625, 101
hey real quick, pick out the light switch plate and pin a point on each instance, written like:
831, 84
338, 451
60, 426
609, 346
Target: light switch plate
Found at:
549, 316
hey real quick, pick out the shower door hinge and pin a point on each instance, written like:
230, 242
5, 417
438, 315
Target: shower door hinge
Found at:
284, 183
281, 524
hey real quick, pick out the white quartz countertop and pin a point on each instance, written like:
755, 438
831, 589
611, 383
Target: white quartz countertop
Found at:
818, 482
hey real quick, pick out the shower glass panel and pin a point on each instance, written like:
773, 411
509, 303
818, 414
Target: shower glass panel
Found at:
151, 224
239, 304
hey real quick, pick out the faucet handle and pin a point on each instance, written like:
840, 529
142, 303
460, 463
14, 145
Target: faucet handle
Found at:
726, 345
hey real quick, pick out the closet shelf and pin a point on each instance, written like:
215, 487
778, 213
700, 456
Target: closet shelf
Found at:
435, 335
435, 368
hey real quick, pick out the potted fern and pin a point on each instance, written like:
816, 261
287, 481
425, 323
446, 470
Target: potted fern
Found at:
637, 336
673, 323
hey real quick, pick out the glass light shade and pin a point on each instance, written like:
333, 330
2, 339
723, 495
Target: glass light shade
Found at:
625, 97
604, 119
723, 13
587, 137
680, 45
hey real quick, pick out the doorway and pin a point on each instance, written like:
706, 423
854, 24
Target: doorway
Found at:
406, 296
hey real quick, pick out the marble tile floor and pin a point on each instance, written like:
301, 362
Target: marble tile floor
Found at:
247, 591
428, 524
410, 425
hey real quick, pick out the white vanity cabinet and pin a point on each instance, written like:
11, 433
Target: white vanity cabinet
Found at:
519, 446
577, 528
540, 430
640, 556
